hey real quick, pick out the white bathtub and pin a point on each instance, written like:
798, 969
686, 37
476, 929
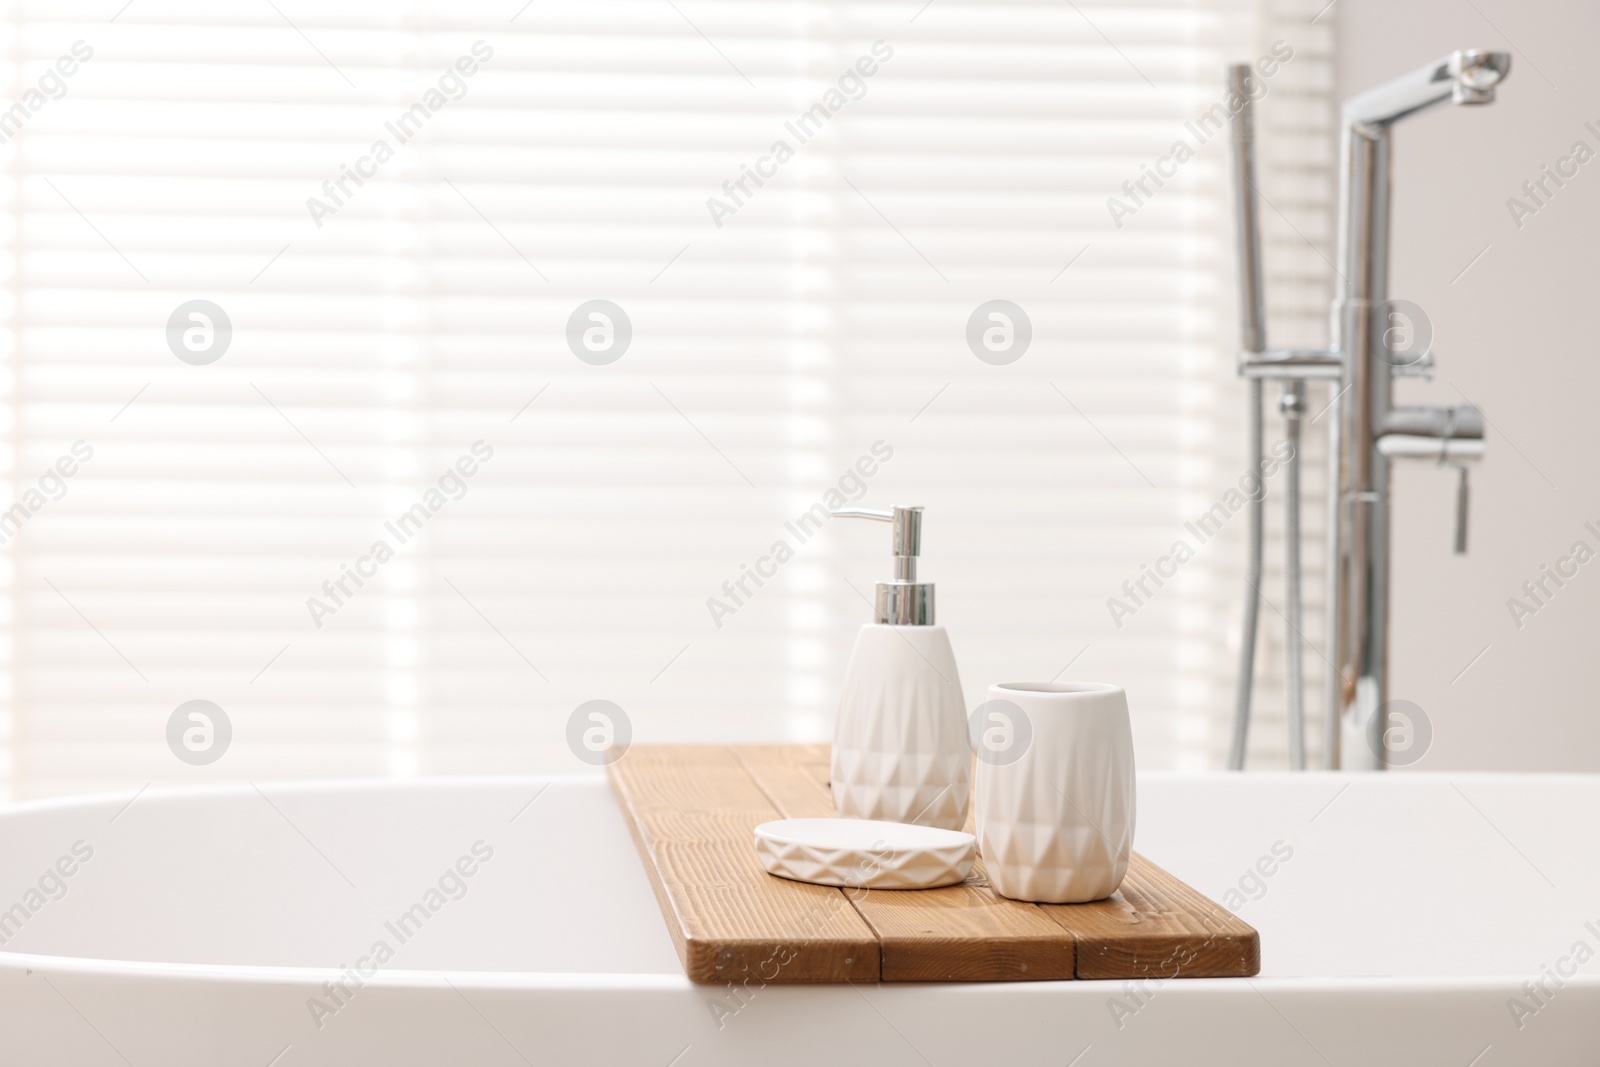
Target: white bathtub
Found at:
207, 926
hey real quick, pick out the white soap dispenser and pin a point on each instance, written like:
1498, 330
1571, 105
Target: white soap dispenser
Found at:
900, 749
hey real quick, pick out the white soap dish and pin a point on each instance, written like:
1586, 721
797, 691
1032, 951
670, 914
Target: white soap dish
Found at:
865, 853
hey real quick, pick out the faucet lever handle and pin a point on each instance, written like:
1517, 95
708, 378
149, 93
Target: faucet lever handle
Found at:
1454, 415
1462, 494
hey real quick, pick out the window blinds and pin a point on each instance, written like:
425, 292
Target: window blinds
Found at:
291, 281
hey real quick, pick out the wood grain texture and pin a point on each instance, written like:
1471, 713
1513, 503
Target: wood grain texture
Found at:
693, 810
1156, 926
961, 933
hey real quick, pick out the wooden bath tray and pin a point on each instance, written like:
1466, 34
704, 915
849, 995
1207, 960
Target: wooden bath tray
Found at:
692, 810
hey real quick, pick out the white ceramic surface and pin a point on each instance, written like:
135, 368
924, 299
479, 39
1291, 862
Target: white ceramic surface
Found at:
900, 749
1415, 904
865, 853
1055, 820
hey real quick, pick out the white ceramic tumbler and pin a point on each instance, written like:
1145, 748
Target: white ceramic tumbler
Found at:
1054, 790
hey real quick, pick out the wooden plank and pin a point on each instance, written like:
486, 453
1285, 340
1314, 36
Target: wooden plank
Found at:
1156, 926
963, 933
693, 810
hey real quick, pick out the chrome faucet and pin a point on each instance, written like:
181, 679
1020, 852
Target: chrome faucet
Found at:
1369, 430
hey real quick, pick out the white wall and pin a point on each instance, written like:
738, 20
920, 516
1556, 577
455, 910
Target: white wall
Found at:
1515, 333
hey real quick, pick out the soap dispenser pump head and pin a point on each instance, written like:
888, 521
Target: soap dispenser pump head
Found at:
902, 601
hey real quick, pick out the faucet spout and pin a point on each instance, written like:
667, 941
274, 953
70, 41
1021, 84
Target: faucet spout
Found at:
1466, 77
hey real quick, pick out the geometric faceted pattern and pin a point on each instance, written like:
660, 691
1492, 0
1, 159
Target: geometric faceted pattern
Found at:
1057, 825
883, 863
900, 749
